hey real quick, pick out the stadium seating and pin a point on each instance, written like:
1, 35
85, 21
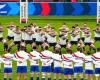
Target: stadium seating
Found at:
50, 0
9, 0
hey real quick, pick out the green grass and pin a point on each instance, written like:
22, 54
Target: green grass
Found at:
55, 21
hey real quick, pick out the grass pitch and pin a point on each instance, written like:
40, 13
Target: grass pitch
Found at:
56, 22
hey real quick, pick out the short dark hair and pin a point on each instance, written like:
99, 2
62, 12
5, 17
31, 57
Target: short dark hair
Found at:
22, 48
34, 47
78, 49
46, 47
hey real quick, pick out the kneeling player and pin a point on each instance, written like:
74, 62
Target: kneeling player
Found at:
68, 65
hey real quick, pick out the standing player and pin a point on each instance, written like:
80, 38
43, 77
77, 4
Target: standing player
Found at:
51, 38
57, 61
17, 38
34, 62
74, 37
21, 57
63, 38
97, 33
78, 66
68, 65
96, 58
38, 36
11, 29
89, 67
28, 35
87, 36
7, 60
47, 60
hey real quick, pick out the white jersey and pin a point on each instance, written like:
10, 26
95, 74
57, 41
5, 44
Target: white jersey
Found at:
67, 60
57, 60
62, 40
51, 39
28, 36
17, 37
8, 60
87, 39
88, 62
7, 63
35, 56
38, 37
46, 58
74, 38
11, 32
21, 57
78, 59
96, 58
97, 34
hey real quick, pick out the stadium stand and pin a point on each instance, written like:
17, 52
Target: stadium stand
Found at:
50, 0
9, 0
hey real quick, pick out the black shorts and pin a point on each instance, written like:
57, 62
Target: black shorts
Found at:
52, 44
39, 43
97, 38
29, 41
83, 39
1, 39
9, 38
88, 44
17, 42
73, 42
64, 46
34, 39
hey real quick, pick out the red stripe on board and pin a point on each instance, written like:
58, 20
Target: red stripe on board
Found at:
45, 9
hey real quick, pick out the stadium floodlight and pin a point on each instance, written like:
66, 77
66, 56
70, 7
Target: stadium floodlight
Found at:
98, 11
23, 11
